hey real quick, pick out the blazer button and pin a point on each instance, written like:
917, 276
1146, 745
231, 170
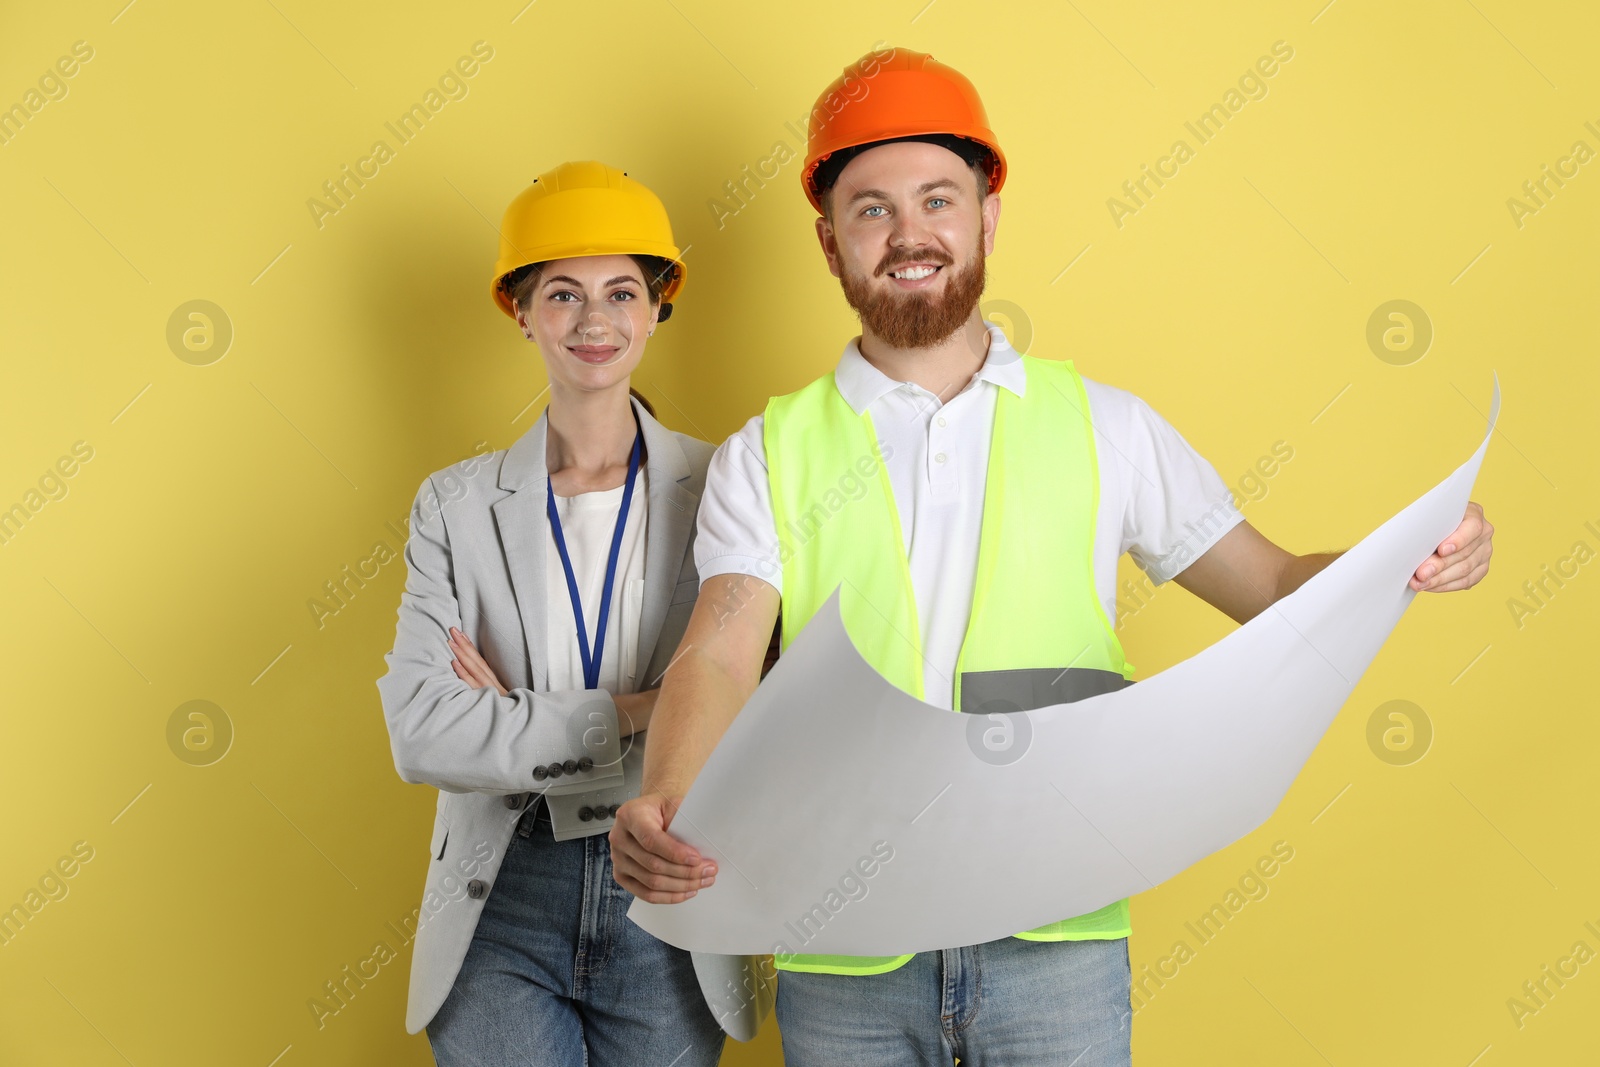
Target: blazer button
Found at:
585, 813
585, 764
540, 774
571, 766
614, 809
513, 800
476, 889
554, 770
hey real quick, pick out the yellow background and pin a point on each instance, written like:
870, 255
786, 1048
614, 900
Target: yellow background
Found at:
366, 353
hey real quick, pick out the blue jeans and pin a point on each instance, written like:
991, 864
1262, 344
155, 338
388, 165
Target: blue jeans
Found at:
997, 1004
557, 974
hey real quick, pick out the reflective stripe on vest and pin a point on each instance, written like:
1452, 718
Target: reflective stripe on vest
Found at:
1037, 633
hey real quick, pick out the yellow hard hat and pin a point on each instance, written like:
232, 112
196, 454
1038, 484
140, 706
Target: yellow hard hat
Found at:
583, 209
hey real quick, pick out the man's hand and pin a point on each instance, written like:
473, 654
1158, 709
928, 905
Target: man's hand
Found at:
469, 665
649, 862
1462, 559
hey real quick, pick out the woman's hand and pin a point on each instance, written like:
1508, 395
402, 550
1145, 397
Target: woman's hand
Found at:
634, 710
469, 665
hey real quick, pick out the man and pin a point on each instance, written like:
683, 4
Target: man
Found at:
977, 563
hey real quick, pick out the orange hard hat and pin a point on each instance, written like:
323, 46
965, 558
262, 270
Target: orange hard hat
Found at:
893, 95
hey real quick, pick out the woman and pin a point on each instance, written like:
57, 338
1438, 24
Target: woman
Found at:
549, 586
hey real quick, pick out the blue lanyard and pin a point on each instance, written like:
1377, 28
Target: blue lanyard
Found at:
591, 666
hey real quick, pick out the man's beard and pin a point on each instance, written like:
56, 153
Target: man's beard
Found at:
917, 319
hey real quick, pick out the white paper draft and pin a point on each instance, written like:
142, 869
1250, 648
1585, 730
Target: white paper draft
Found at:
828, 762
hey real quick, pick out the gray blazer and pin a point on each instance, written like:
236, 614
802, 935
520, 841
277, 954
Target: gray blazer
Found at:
476, 560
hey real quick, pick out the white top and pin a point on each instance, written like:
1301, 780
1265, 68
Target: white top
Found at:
588, 521
1160, 500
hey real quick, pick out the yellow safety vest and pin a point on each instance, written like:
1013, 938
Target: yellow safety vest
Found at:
1037, 633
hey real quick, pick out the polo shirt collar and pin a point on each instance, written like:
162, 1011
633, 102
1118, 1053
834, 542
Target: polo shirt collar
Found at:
860, 383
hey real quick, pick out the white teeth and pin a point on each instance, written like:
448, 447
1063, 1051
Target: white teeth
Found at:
912, 274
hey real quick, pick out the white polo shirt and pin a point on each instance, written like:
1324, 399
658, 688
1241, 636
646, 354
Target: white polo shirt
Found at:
1160, 500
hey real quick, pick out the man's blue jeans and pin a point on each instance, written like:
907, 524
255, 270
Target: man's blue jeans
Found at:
998, 1004
557, 974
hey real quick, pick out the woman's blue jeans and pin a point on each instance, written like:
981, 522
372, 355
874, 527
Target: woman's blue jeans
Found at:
998, 1004
557, 974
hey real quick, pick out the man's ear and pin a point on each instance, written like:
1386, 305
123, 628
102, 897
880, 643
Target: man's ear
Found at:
830, 245
991, 221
